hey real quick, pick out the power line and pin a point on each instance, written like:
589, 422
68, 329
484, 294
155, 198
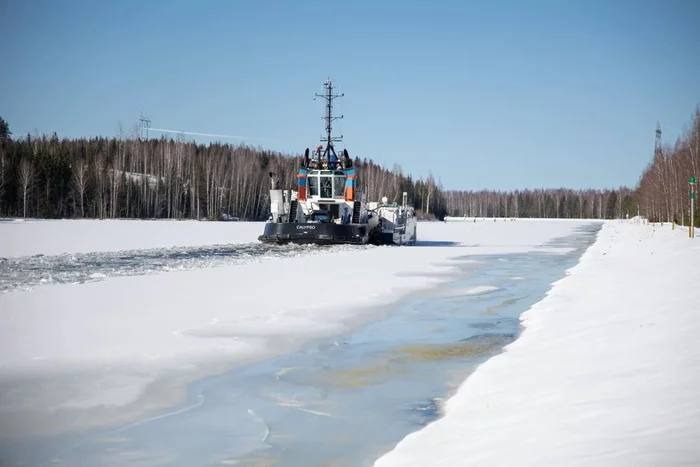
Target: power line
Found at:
197, 134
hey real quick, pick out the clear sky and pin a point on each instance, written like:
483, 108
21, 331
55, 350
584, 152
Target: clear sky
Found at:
488, 94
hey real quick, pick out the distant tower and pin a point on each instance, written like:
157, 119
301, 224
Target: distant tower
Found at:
145, 124
657, 142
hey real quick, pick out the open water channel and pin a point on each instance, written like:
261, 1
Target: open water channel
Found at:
346, 399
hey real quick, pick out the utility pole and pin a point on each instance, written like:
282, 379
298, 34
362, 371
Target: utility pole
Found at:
657, 151
691, 230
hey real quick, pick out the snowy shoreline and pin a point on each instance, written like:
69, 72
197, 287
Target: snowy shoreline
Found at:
605, 372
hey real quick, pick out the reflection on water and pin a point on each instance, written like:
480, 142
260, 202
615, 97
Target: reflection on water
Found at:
344, 401
367, 375
471, 346
401, 360
493, 309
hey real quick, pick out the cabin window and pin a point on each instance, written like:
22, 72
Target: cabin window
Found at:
326, 186
326, 183
338, 185
313, 186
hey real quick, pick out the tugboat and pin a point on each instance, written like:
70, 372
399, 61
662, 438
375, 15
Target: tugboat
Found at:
327, 207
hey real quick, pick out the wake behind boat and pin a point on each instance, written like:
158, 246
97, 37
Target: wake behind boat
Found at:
328, 208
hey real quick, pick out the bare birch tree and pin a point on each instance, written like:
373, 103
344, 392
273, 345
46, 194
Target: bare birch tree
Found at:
26, 177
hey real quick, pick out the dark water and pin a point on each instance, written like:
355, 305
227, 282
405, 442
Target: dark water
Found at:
344, 400
26, 272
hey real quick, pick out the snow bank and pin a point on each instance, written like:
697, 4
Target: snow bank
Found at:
53, 237
97, 345
606, 372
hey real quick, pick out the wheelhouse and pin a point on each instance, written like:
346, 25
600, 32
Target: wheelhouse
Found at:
326, 184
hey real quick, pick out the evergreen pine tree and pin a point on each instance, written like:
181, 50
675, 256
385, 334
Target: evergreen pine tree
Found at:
4, 129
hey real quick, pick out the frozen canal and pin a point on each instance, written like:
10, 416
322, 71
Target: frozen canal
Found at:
344, 400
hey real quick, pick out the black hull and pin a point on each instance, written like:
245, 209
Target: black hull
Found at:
316, 233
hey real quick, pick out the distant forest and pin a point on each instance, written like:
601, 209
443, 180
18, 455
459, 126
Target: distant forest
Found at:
48, 177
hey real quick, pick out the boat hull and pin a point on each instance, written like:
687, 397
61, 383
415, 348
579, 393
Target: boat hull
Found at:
315, 233
401, 235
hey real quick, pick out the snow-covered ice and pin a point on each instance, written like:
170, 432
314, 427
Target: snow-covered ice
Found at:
606, 372
53, 237
108, 346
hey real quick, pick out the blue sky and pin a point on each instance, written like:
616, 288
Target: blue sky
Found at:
490, 94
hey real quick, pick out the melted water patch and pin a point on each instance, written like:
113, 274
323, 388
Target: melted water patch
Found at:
469, 347
401, 360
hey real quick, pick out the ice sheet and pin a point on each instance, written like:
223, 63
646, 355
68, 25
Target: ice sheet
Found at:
101, 347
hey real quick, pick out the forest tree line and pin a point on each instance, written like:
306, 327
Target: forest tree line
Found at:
47, 177
126, 177
558, 203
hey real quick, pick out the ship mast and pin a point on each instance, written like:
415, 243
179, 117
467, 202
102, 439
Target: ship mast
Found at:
329, 96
